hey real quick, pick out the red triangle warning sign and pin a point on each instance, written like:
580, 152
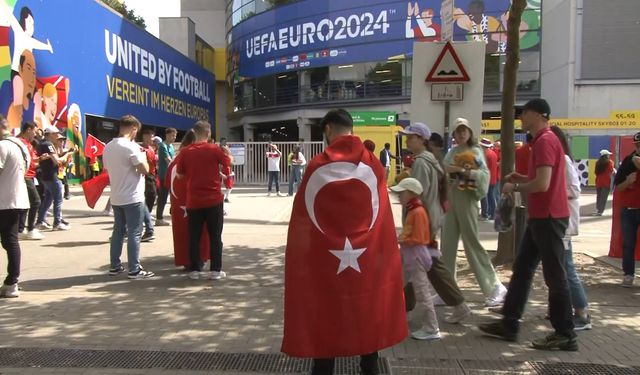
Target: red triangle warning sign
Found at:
448, 67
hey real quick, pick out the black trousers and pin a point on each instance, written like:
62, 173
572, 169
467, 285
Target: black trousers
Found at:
9, 220
325, 366
150, 191
542, 241
28, 217
163, 194
213, 218
444, 283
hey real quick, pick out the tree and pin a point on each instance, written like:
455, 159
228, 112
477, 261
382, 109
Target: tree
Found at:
506, 240
127, 13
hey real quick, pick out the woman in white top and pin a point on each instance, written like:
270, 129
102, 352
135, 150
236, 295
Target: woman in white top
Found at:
296, 162
581, 318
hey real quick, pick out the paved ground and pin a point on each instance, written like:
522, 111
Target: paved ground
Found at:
69, 302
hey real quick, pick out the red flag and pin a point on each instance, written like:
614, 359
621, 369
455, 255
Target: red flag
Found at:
94, 187
179, 224
343, 276
615, 247
93, 148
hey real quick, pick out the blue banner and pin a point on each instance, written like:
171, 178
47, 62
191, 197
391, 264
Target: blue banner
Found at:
313, 33
61, 59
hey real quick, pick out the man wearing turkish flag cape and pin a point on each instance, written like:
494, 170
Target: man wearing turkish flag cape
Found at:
178, 190
343, 276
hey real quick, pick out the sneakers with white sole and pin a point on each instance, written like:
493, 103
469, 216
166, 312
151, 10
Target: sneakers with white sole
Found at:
9, 291
497, 296
43, 226
460, 313
215, 275
162, 223
424, 335
116, 270
195, 275
61, 227
627, 281
141, 274
32, 235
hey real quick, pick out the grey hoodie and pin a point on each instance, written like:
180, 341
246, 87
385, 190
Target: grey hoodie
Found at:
428, 171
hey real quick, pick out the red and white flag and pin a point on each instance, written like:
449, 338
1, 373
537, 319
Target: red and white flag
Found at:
179, 223
93, 148
343, 275
94, 188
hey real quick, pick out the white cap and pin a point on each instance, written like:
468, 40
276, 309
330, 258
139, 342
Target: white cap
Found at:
486, 142
48, 129
460, 121
605, 152
410, 184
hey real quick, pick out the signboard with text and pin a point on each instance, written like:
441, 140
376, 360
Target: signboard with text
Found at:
80, 55
311, 33
373, 118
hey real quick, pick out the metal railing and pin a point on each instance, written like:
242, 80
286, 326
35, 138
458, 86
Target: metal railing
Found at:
254, 171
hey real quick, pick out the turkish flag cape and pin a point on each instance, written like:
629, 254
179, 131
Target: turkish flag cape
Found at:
615, 247
93, 148
94, 187
179, 223
338, 305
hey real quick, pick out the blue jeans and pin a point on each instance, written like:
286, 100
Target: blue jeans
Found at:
578, 295
295, 177
488, 203
148, 223
274, 177
52, 193
630, 222
127, 218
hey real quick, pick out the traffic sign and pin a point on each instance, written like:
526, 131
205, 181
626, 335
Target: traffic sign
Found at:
448, 67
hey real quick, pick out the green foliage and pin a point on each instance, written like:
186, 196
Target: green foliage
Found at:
127, 13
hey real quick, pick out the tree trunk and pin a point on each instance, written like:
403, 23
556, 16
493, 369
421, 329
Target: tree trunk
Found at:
506, 245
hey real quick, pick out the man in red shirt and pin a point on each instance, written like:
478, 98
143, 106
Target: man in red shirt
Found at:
199, 163
522, 156
548, 221
150, 187
27, 134
488, 203
628, 186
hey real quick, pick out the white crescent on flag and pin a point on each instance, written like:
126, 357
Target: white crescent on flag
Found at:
174, 173
341, 171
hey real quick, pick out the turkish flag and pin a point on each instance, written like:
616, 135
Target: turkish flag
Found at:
343, 275
93, 148
615, 247
179, 223
94, 187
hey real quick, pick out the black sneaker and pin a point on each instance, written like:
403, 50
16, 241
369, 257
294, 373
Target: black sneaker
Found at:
582, 324
148, 236
63, 221
117, 270
556, 341
226, 200
141, 274
498, 330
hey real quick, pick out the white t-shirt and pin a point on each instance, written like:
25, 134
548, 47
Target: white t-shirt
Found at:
12, 167
573, 192
273, 161
120, 157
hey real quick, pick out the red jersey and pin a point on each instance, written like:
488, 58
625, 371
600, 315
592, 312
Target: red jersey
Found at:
152, 159
492, 164
603, 180
522, 159
31, 172
200, 164
546, 150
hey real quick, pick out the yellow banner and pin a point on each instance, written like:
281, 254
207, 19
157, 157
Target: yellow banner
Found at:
625, 115
583, 124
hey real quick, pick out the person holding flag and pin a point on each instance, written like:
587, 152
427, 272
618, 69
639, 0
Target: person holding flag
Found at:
343, 275
93, 148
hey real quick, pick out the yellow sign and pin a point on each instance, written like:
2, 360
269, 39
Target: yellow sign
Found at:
625, 115
584, 123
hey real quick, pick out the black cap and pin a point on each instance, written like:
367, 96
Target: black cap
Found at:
636, 138
538, 105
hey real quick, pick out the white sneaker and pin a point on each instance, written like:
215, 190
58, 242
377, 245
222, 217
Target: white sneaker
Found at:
497, 296
280, 194
33, 235
9, 291
194, 275
424, 335
460, 313
437, 301
62, 227
107, 213
268, 194
627, 281
23, 236
215, 275
43, 226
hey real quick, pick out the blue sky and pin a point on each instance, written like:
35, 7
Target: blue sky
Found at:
151, 10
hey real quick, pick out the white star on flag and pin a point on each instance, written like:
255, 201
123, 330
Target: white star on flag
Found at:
348, 257
184, 208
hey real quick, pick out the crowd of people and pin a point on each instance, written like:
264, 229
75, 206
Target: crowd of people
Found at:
440, 193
